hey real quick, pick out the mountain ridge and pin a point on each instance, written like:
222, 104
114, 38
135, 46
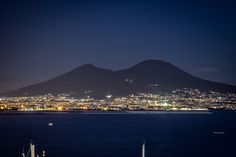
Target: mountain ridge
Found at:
149, 76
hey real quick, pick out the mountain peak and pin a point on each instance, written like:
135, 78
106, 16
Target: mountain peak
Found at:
152, 61
88, 65
85, 67
89, 68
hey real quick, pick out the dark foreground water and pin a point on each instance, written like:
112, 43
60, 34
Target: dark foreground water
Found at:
120, 135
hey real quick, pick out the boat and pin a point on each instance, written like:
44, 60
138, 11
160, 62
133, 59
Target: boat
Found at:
219, 132
50, 124
31, 152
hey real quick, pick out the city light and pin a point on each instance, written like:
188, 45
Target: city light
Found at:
185, 99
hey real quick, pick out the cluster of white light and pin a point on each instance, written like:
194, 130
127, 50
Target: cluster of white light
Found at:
109, 96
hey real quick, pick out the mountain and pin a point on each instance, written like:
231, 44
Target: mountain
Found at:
149, 76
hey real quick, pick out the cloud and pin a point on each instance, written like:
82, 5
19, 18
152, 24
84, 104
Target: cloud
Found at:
208, 69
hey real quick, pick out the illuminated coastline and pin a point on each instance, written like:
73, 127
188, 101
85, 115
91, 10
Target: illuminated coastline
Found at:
178, 100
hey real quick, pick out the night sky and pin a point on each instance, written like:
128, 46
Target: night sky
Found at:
42, 39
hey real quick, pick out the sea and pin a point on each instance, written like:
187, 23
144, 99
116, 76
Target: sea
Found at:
179, 134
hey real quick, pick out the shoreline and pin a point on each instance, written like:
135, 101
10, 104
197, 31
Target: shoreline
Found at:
110, 112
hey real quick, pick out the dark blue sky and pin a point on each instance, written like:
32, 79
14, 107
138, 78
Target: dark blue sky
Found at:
42, 39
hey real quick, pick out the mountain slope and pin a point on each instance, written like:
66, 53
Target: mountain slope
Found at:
149, 76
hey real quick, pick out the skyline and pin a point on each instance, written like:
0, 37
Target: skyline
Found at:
198, 37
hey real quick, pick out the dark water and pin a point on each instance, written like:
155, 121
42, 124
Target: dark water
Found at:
120, 135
